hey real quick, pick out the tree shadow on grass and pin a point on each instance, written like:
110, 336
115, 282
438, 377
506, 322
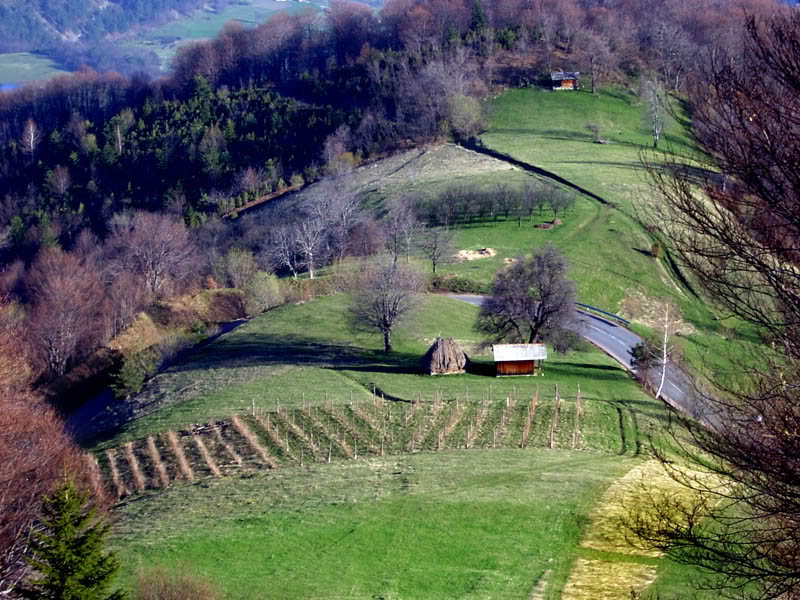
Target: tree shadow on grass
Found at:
265, 350
590, 371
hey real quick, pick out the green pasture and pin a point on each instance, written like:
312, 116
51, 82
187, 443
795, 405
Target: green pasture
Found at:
548, 129
306, 353
459, 524
23, 67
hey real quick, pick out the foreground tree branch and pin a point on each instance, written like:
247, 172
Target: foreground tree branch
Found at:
732, 215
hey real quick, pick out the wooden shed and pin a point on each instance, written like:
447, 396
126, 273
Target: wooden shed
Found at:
519, 359
565, 80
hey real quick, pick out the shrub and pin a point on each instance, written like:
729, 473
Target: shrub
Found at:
456, 284
657, 250
135, 370
465, 116
159, 583
171, 345
236, 267
262, 292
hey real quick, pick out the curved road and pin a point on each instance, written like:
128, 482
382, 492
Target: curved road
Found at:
617, 342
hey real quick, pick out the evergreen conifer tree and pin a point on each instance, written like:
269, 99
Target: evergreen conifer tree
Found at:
67, 551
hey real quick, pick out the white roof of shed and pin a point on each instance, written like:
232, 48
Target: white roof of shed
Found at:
506, 352
562, 75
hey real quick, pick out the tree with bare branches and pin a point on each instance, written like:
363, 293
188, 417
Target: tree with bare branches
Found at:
35, 451
31, 136
436, 243
157, 248
386, 295
532, 301
731, 216
400, 226
65, 317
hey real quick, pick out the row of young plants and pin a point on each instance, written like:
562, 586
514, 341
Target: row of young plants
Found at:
326, 432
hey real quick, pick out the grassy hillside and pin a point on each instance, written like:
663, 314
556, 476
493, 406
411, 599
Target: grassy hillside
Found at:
22, 67
547, 129
318, 487
306, 354
447, 525
607, 248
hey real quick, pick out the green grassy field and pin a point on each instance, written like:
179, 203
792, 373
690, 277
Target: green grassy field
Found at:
547, 129
207, 23
22, 67
457, 524
383, 519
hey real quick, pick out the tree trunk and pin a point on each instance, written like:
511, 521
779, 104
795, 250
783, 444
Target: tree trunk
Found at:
387, 341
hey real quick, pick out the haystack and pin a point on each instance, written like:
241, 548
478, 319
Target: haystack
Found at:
444, 357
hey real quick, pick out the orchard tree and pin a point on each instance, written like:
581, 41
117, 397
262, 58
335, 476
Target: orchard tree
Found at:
436, 243
531, 301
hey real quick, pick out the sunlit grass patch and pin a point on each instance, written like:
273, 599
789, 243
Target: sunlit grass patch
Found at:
592, 579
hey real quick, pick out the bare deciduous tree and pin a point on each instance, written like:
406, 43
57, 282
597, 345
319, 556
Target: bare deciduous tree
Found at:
310, 238
436, 243
531, 301
249, 180
31, 136
282, 250
653, 95
58, 180
386, 294
65, 316
157, 248
400, 226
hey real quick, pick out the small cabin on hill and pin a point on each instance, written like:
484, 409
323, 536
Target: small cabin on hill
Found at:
519, 359
564, 80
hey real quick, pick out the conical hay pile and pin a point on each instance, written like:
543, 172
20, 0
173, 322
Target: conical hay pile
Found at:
444, 357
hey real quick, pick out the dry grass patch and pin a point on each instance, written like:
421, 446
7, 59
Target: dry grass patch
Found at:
593, 579
629, 496
639, 308
605, 531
